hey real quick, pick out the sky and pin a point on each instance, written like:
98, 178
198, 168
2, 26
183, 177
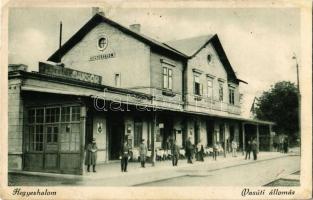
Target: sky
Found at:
259, 42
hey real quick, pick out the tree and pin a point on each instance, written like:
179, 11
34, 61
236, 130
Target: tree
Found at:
280, 105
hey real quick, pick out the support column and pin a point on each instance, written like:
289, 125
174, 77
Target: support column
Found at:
258, 137
153, 134
224, 137
271, 147
243, 138
83, 114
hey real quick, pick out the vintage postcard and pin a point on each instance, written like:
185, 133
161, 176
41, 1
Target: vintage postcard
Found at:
156, 100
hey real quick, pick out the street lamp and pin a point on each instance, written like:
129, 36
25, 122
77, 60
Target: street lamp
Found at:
299, 96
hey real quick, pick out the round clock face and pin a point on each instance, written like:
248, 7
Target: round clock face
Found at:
102, 43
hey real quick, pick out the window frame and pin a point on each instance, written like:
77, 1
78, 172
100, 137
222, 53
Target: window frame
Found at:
38, 139
195, 83
119, 82
210, 88
231, 92
167, 78
221, 91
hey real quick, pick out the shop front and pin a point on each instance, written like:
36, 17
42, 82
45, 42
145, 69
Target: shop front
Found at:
53, 134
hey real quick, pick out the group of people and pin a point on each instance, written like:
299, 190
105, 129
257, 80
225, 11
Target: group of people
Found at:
190, 151
252, 145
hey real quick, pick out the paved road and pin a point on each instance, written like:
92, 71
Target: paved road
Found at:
224, 172
252, 174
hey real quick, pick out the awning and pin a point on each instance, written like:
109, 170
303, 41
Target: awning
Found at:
92, 95
53, 91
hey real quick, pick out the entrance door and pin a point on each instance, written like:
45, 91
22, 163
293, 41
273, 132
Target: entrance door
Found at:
197, 133
51, 147
210, 132
116, 132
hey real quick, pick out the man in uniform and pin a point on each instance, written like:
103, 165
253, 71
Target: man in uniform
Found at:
91, 155
143, 153
124, 156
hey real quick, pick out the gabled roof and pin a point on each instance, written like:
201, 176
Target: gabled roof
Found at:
97, 19
192, 46
189, 46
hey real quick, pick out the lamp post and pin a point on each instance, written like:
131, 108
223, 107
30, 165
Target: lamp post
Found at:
299, 98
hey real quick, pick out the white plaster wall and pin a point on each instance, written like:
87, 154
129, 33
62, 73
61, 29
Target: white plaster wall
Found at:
214, 68
132, 57
203, 132
101, 137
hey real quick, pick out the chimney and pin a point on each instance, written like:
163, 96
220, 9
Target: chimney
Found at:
97, 10
135, 27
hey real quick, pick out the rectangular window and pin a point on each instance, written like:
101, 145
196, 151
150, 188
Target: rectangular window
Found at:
220, 91
46, 130
167, 78
232, 96
52, 134
66, 114
197, 85
170, 79
52, 115
210, 88
117, 80
75, 113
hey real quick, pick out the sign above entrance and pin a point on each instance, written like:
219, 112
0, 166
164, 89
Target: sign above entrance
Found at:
102, 56
45, 68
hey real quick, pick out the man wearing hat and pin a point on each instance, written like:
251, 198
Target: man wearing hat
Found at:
143, 153
124, 156
91, 155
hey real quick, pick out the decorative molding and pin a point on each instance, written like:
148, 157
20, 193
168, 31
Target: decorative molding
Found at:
197, 71
210, 76
232, 85
221, 80
197, 97
168, 93
167, 62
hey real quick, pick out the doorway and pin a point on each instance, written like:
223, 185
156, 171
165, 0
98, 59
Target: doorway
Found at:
210, 132
197, 133
116, 136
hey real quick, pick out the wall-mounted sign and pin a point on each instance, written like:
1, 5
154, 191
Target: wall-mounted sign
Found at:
102, 56
45, 68
99, 128
161, 125
129, 130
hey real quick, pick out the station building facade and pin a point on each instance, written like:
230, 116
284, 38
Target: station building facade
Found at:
112, 83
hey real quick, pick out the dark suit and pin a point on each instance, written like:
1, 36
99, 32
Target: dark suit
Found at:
124, 157
189, 152
175, 154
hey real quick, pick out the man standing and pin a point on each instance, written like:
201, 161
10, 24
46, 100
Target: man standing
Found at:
91, 155
215, 150
175, 153
124, 156
254, 147
143, 153
248, 150
285, 144
234, 148
189, 148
